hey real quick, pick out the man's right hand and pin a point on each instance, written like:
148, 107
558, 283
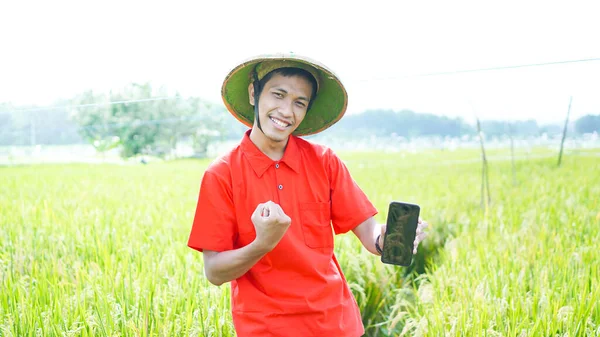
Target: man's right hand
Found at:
270, 223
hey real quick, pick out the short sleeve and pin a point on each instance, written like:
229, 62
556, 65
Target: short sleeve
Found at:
214, 221
349, 204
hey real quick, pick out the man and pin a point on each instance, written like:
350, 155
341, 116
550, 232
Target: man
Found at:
267, 210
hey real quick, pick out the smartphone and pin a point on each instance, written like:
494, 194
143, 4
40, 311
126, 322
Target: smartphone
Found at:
400, 233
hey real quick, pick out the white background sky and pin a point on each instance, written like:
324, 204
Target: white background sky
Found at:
55, 49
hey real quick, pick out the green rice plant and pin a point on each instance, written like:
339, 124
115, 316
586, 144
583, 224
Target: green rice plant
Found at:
529, 267
100, 250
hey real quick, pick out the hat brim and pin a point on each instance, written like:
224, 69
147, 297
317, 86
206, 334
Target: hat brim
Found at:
328, 107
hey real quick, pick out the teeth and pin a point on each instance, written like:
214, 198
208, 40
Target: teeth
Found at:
280, 123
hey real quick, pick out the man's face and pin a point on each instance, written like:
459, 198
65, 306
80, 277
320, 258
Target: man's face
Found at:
282, 105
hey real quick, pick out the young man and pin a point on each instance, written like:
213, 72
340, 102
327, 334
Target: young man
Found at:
268, 209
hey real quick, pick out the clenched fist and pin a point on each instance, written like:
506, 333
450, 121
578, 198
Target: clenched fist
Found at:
270, 223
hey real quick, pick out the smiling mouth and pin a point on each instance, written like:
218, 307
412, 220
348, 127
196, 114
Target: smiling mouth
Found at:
280, 123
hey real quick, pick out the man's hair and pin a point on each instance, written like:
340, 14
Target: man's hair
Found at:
289, 72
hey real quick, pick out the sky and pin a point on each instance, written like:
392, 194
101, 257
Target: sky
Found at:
380, 49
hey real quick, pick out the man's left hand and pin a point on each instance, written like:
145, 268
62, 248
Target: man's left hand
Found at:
421, 234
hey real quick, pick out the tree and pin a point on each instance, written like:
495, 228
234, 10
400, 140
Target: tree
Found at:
520, 128
5, 127
588, 124
147, 126
404, 123
31, 125
92, 115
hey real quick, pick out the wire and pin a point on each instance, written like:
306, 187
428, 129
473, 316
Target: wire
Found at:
480, 69
96, 104
363, 80
135, 122
140, 122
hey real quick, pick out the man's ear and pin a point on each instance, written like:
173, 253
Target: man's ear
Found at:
251, 93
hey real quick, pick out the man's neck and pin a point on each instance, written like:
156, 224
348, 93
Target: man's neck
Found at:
270, 148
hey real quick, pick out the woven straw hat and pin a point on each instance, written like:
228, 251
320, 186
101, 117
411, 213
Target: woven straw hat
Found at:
327, 108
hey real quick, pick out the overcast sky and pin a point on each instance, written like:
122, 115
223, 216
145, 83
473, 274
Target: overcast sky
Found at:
54, 49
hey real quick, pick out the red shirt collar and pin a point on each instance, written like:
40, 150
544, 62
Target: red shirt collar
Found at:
260, 162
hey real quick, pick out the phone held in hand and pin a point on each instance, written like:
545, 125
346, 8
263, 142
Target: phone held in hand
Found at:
401, 230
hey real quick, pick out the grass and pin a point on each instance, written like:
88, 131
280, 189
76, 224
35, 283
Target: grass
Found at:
100, 250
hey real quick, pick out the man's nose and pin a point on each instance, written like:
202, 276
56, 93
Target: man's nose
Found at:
286, 108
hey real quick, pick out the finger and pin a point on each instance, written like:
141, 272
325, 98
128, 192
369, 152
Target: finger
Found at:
382, 236
276, 208
267, 209
258, 210
277, 211
420, 237
279, 214
266, 212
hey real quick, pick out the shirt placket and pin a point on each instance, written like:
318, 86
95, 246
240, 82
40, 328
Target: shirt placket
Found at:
279, 183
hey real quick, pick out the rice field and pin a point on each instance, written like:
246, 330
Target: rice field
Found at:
100, 250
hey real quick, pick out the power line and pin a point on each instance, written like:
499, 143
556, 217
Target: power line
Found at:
96, 104
113, 125
480, 69
140, 122
363, 80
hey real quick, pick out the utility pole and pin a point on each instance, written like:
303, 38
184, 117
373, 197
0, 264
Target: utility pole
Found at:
562, 142
512, 154
32, 133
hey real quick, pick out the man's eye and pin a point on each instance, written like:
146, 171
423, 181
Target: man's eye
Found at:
278, 95
300, 104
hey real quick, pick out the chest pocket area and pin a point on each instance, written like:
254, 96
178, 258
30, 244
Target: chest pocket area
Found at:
316, 224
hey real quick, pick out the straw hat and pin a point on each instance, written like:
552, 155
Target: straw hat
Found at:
327, 108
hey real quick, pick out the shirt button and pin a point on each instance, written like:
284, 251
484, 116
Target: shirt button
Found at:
280, 187
277, 165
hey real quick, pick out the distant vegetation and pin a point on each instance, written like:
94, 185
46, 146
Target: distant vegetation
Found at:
409, 124
144, 126
155, 127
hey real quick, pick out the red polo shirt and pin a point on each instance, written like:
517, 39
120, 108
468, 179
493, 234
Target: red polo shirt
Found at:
297, 289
